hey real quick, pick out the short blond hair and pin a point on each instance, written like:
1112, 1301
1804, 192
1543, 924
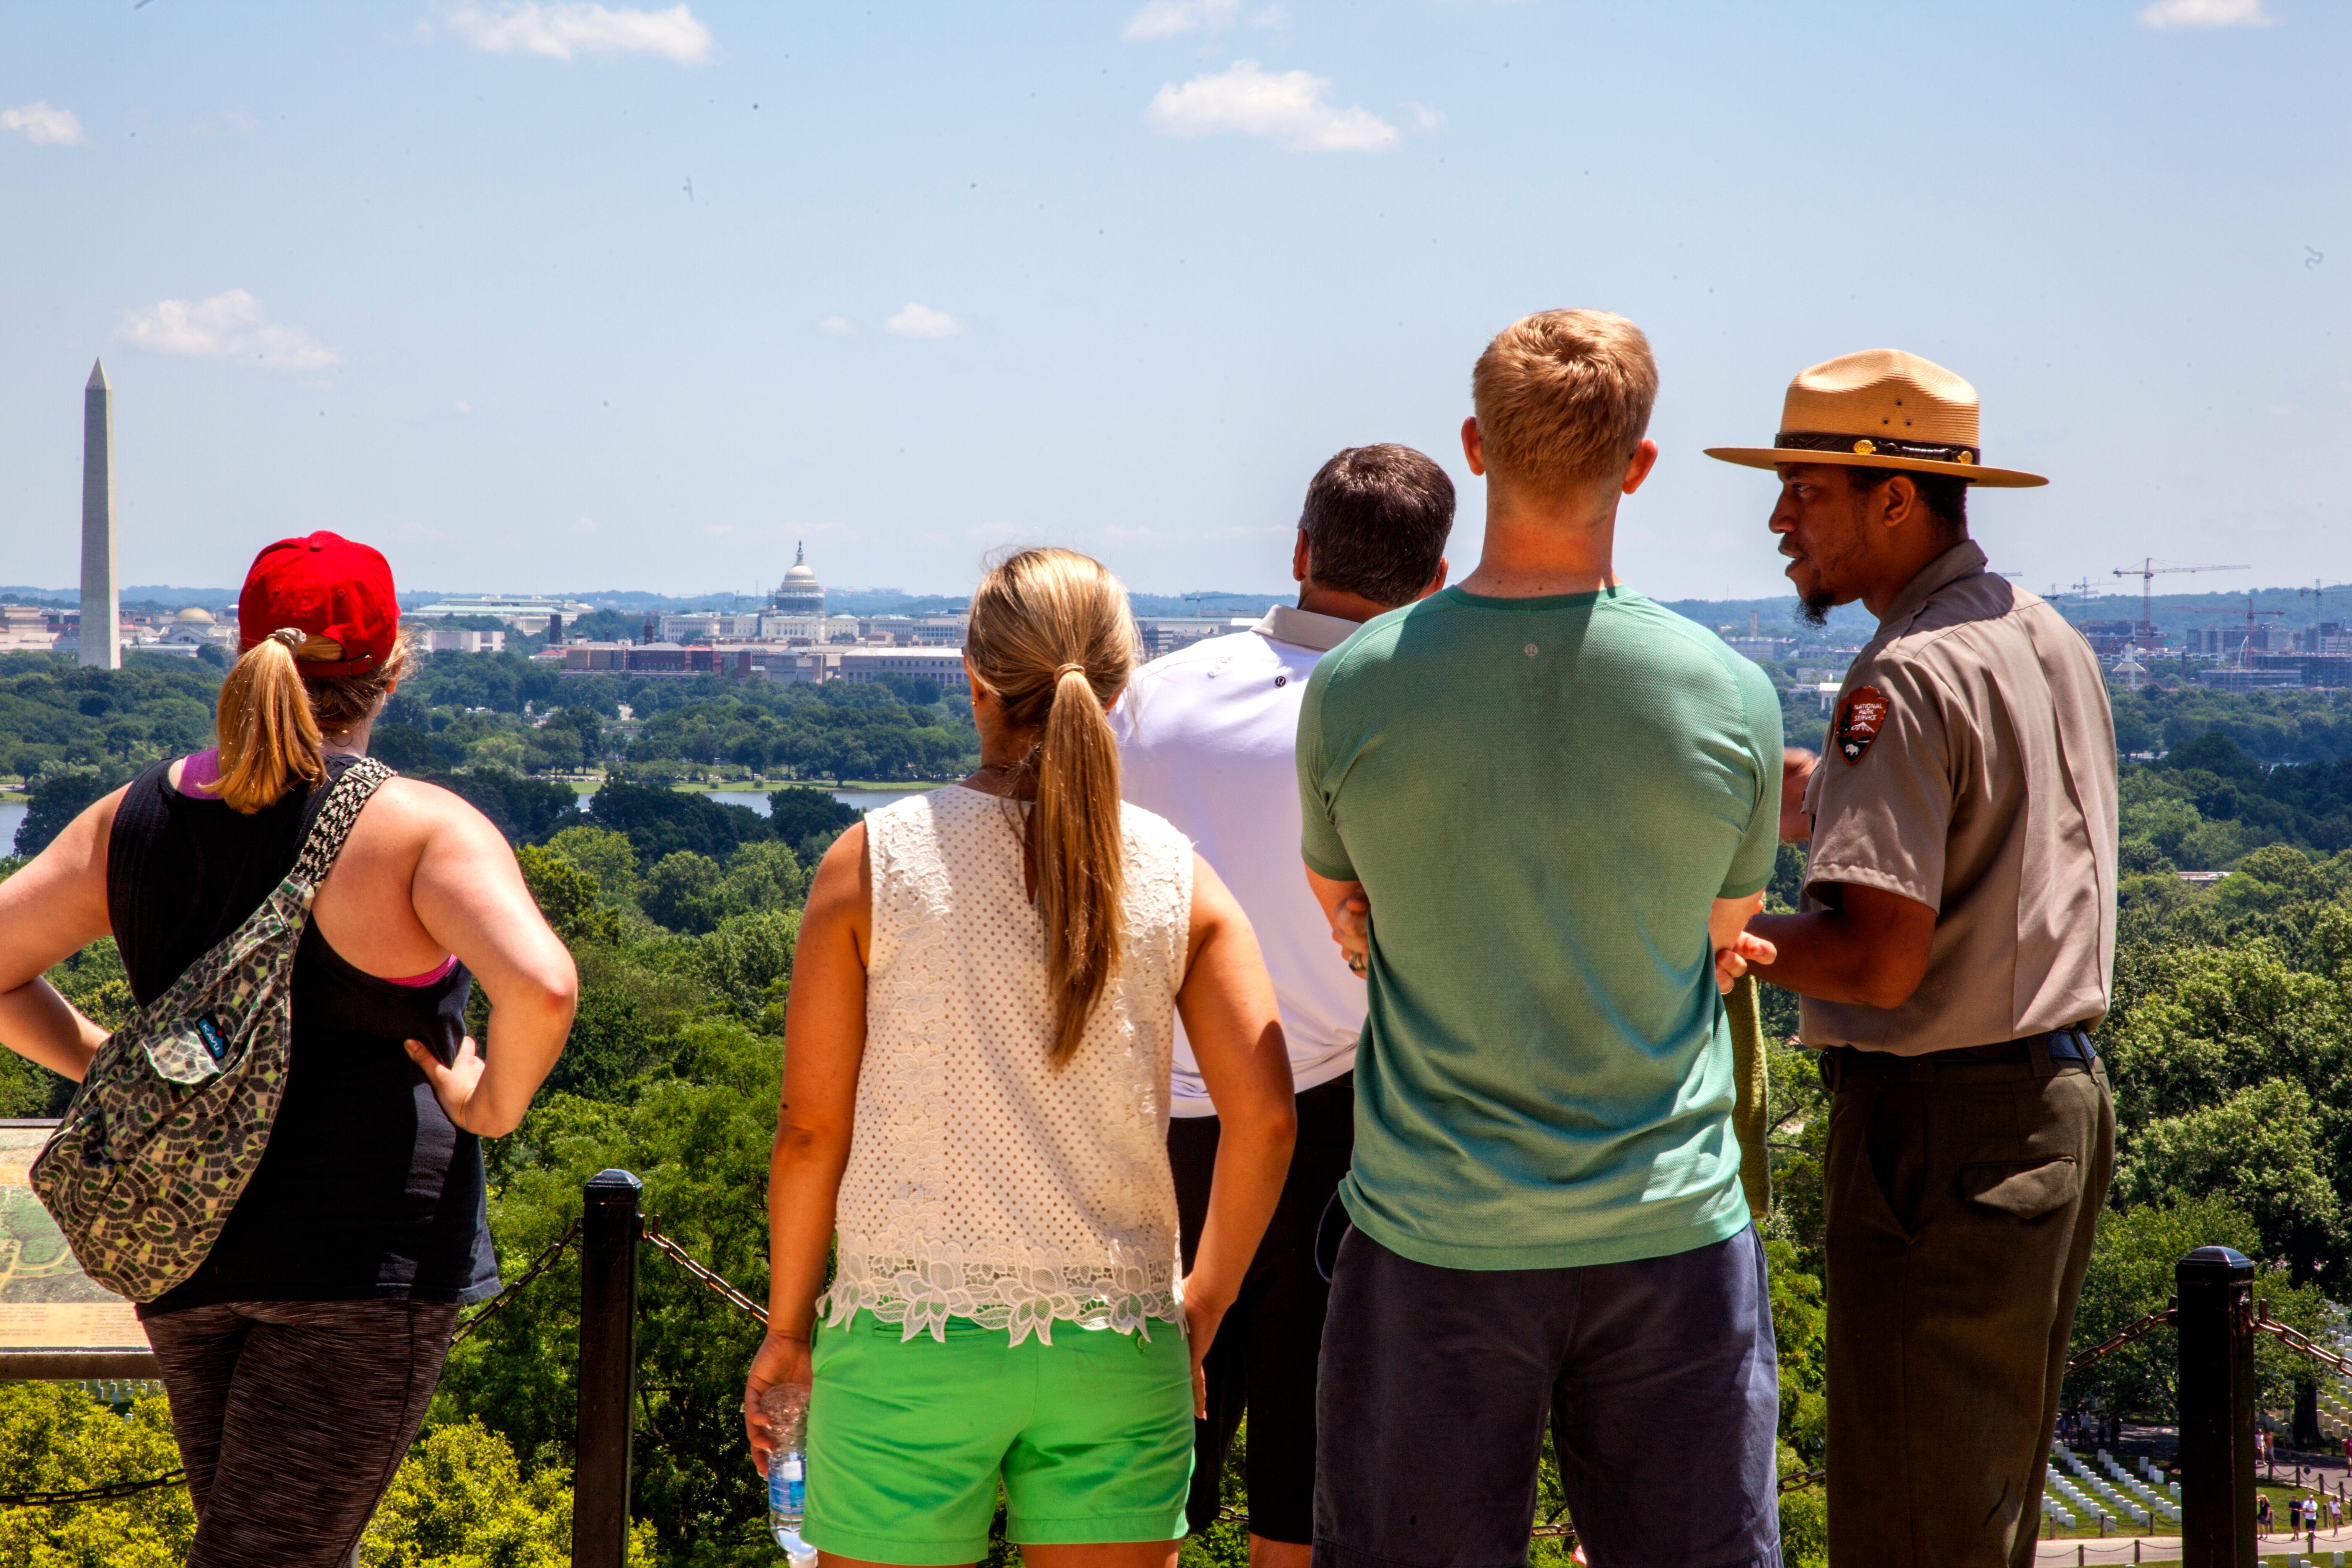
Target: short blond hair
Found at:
1564, 397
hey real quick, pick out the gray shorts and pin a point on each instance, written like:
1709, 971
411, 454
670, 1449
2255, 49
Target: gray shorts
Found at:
1659, 1378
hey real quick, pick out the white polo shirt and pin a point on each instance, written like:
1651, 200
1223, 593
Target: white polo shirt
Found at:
1206, 737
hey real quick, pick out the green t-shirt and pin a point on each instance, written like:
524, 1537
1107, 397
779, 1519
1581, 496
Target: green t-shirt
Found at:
1542, 798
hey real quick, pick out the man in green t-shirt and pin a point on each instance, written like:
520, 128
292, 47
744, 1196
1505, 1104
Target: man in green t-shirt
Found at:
1559, 803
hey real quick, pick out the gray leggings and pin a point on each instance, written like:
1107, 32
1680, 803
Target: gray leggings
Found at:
291, 1417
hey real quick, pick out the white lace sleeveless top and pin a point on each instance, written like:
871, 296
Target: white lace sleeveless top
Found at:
983, 1183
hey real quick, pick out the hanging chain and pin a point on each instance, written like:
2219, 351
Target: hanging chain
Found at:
107, 1493
2293, 1340
2163, 1319
538, 1266
659, 1240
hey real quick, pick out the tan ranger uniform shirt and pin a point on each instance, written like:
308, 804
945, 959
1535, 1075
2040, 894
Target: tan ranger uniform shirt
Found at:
1970, 766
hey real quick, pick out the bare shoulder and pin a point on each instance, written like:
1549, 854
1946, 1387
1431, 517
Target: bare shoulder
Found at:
404, 810
842, 877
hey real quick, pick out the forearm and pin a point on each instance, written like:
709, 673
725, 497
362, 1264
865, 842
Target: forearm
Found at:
1824, 955
526, 1035
1253, 1159
42, 1027
804, 1187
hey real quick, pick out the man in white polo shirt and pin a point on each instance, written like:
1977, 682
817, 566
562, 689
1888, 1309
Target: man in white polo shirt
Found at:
1206, 738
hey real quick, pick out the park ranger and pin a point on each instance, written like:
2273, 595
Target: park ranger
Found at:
1955, 947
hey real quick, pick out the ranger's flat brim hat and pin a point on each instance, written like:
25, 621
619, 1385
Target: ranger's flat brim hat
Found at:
1881, 408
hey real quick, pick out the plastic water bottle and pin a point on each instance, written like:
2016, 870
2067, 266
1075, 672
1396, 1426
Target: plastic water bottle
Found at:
785, 1408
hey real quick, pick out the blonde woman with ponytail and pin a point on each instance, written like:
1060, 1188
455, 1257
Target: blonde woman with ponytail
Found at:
302, 1354
974, 1124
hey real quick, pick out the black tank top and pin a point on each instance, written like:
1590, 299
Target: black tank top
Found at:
367, 1191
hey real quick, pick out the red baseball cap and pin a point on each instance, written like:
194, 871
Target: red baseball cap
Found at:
329, 586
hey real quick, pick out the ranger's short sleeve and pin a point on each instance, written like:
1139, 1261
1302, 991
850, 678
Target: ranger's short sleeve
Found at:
1882, 799
1319, 844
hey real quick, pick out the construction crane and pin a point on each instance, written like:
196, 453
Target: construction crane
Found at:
2147, 571
2250, 612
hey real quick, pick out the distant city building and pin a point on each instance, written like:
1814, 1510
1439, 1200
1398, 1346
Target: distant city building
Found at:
708, 625
28, 626
2108, 639
451, 640
192, 629
1761, 648
942, 667
529, 615
2327, 638
775, 625
1163, 635
657, 659
800, 593
914, 631
2230, 677
2319, 671
786, 664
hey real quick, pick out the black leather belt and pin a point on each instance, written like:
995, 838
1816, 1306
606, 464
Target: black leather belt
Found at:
2071, 1044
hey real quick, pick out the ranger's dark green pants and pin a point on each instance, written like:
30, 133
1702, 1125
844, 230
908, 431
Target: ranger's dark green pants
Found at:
1962, 1200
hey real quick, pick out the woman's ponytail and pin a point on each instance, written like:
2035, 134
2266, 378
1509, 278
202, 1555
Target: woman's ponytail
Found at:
1051, 637
268, 737
272, 723
1079, 852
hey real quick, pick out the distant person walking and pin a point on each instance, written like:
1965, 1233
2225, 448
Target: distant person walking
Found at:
301, 1356
1559, 801
975, 1101
1207, 739
1954, 951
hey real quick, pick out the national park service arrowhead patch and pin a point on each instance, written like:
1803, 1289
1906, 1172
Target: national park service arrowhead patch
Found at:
1860, 714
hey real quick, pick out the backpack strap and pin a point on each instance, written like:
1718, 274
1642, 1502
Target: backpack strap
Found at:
334, 822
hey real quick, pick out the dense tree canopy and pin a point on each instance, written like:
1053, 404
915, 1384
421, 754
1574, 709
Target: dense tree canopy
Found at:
2230, 1048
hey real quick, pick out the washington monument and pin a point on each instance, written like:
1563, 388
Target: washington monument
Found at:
102, 613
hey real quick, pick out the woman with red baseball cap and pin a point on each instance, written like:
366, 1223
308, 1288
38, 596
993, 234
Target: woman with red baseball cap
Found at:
301, 1353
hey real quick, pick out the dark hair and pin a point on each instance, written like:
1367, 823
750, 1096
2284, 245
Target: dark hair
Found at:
1376, 521
1945, 496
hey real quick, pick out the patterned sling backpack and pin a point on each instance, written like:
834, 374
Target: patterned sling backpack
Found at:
176, 1109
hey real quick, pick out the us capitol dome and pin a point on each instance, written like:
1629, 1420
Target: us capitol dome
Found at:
799, 594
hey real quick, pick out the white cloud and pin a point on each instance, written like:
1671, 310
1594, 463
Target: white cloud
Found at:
2207, 13
1425, 118
923, 321
839, 326
1289, 105
1171, 19
584, 525
226, 326
44, 126
464, 406
561, 30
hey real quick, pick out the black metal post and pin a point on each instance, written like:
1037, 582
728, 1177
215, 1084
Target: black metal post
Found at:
2215, 1303
608, 1369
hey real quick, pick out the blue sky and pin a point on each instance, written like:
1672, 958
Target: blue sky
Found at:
1122, 275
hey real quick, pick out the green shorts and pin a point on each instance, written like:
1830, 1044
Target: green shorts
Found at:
1092, 1436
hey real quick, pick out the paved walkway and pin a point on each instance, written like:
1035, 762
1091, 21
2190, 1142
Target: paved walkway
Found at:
2166, 1548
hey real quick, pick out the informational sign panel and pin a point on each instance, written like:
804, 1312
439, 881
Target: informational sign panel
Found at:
55, 1320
